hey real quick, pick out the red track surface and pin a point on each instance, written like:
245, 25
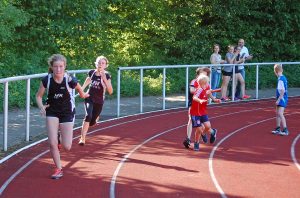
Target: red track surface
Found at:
143, 156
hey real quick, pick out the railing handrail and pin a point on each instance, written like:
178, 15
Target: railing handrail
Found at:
28, 78
6, 81
31, 76
165, 67
201, 65
25, 77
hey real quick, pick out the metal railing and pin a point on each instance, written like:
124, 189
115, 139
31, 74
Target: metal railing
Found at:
165, 67
28, 78
141, 69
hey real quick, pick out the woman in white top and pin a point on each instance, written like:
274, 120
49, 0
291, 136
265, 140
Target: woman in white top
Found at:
215, 58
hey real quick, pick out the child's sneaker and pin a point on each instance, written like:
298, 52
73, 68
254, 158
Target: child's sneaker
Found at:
276, 131
213, 136
196, 146
285, 132
204, 138
187, 143
58, 173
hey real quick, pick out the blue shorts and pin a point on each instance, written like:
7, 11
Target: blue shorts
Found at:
282, 103
197, 121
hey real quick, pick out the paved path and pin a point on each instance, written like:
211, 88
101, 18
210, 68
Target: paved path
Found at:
129, 106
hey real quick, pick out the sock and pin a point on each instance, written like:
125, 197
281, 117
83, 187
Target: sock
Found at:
189, 132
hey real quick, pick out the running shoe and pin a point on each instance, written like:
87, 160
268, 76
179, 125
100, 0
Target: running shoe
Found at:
225, 99
236, 99
81, 141
285, 132
213, 136
58, 173
246, 97
187, 143
196, 146
204, 138
276, 131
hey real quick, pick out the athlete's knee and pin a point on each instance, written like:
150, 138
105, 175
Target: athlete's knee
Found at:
278, 115
281, 115
67, 147
207, 127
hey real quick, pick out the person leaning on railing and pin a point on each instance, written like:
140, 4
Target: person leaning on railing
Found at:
216, 58
238, 73
244, 54
227, 72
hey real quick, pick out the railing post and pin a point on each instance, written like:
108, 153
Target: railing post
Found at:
73, 90
118, 92
141, 90
257, 78
5, 118
233, 84
187, 90
164, 88
210, 79
27, 110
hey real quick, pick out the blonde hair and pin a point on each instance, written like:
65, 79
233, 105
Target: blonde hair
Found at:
99, 58
278, 68
200, 70
202, 79
54, 58
230, 46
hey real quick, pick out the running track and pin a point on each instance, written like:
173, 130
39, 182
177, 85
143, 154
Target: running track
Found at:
143, 156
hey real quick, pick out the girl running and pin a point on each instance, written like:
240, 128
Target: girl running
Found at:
193, 87
59, 108
198, 112
100, 82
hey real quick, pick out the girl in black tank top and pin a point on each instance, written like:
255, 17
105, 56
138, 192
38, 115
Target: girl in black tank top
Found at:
60, 108
99, 82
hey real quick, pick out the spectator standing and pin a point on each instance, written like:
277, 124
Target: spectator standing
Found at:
215, 58
238, 76
227, 72
244, 53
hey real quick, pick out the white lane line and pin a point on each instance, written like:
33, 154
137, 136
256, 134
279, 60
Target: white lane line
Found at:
8, 181
3, 187
42, 140
183, 109
115, 175
121, 163
211, 156
293, 151
22, 149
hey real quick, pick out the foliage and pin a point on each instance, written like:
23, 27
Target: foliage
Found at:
146, 32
